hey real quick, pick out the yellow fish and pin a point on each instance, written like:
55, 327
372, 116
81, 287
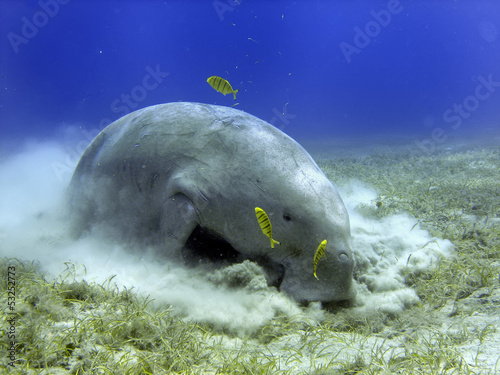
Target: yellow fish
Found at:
221, 85
265, 225
319, 253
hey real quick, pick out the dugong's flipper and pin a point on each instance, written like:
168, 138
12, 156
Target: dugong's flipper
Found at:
178, 220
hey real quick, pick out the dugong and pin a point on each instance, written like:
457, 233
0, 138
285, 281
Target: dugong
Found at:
188, 177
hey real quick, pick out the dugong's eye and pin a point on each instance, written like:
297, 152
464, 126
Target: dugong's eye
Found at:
286, 217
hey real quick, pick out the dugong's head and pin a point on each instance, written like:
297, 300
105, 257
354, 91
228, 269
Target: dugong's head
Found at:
304, 209
309, 212
303, 212
311, 215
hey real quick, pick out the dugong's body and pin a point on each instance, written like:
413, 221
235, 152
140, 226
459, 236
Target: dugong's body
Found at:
189, 175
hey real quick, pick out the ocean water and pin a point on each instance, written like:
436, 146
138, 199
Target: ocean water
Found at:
312, 68
398, 103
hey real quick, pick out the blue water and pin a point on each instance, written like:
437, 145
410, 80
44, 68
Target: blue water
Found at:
315, 69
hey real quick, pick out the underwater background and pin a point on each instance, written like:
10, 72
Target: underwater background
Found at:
398, 101
335, 68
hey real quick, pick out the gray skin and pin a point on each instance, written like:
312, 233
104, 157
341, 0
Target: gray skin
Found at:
161, 172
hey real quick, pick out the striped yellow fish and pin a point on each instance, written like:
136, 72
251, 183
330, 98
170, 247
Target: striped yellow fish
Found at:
319, 253
265, 225
221, 85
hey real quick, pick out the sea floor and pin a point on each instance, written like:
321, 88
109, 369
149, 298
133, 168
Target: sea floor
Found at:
429, 220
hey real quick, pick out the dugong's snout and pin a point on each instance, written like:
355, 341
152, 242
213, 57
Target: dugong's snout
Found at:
341, 277
334, 282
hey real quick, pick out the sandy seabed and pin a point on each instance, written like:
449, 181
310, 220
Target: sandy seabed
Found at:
425, 232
